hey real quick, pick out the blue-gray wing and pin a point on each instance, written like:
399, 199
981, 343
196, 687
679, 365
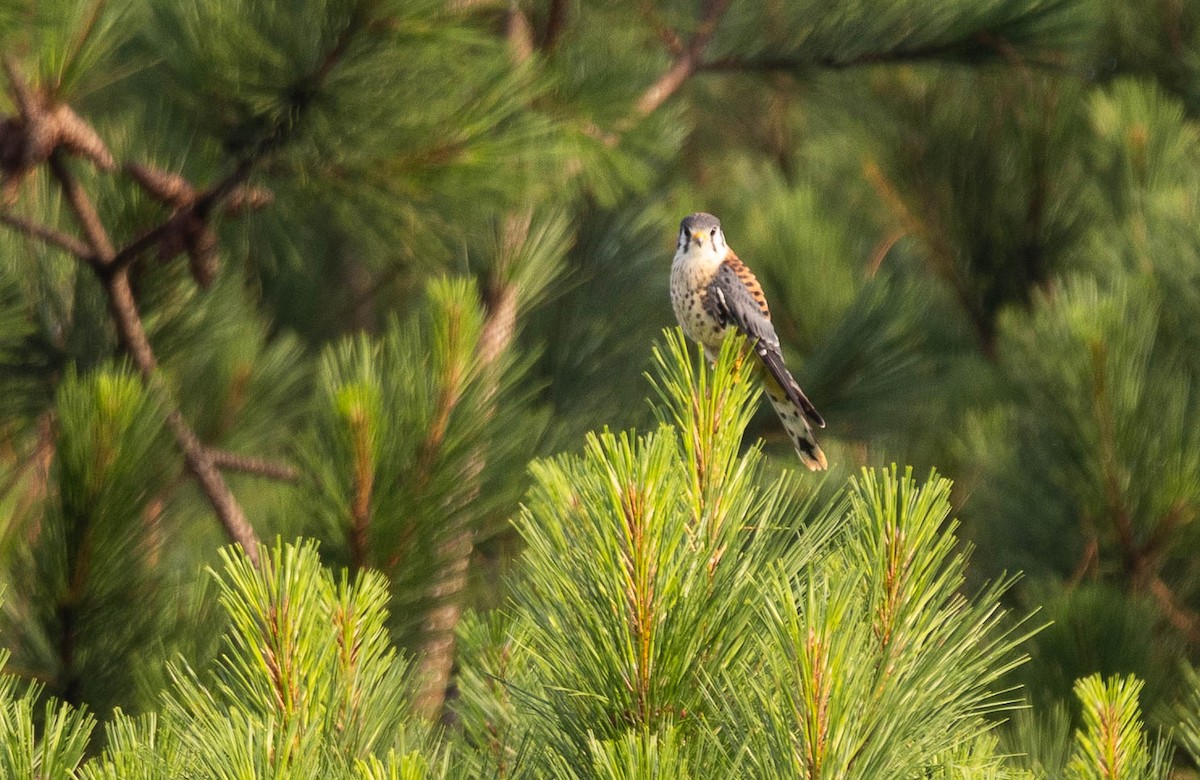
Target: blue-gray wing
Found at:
735, 299
735, 302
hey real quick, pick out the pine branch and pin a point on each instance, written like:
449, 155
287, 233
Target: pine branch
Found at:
200, 207
685, 63
446, 591
1187, 621
198, 458
940, 254
556, 22
1113, 742
248, 464
50, 236
85, 213
499, 329
1138, 559
123, 308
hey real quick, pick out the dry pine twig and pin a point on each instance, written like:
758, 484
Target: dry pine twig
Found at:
41, 134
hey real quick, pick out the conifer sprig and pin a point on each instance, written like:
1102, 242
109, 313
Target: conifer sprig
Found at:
1113, 742
879, 641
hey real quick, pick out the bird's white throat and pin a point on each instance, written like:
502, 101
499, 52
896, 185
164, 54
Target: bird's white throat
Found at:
700, 260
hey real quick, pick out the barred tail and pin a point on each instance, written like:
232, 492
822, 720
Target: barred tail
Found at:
773, 362
798, 429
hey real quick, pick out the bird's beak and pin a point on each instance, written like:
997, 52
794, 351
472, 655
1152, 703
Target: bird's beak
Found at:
696, 237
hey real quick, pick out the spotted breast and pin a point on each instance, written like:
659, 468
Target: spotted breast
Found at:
691, 275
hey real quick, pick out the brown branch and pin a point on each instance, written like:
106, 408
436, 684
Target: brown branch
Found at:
881, 251
447, 589
133, 336
51, 236
556, 22
670, 39
685, 63
84, 211
940, 254
1185, 620
112, 268
199, 459
248, 464
201, 208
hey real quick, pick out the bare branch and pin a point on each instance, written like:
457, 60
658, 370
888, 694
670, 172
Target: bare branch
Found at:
49, 235
1184, 619
248, 464
199, 459
133, 336
669, 38
555, 23
85, 212
685, 63
201, 207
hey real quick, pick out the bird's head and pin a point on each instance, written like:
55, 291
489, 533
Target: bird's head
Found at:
701, 233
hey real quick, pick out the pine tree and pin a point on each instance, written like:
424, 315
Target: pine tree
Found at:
340, 270
674, 616
673, 604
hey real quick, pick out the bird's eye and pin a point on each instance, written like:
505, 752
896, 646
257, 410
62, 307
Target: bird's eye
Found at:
714, 234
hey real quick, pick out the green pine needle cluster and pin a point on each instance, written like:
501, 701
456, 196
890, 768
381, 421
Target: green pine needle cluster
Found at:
675, 614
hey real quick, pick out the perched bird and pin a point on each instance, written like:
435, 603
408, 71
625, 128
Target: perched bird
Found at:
713, 291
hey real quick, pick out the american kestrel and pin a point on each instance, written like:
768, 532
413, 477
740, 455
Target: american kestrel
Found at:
712, 291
